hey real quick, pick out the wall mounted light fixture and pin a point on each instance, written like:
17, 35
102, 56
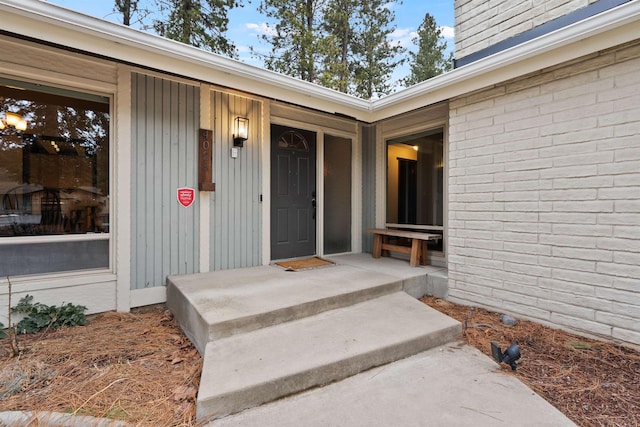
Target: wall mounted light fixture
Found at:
240, 131
14, 120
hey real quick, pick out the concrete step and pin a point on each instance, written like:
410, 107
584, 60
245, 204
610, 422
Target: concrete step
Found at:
438, 284
211, 306
253, 368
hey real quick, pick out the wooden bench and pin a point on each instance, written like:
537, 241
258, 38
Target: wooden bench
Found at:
417, 250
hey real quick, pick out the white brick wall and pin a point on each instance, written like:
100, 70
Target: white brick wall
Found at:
482, 23
544, 219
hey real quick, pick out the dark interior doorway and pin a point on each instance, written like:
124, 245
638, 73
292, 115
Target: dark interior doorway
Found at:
407, 191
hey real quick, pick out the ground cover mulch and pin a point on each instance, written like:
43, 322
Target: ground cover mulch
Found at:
140, 368
594, 383
137, 367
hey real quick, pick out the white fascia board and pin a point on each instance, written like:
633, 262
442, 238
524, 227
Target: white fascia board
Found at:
64, 27
602, 31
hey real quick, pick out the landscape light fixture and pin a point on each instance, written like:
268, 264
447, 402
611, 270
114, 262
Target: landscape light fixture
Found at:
240, 131
510, 355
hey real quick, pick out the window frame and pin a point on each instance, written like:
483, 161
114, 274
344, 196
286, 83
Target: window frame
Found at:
407, 132
56, 81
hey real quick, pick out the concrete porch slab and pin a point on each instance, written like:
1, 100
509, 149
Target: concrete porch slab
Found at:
210, 306
416, 281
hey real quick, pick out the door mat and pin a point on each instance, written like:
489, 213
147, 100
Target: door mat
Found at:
304, 264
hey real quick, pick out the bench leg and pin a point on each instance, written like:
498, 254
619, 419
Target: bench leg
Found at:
385, 252
424, 260
415, 253
377, 245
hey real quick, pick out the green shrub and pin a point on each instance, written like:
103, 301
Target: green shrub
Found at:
39, 316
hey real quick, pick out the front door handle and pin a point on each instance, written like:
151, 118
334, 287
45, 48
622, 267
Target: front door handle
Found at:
313, 204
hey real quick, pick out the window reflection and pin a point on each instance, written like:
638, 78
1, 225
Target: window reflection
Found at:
415, 174
54, 165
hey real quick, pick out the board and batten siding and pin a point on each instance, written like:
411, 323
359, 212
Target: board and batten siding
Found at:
164, 132
236, 208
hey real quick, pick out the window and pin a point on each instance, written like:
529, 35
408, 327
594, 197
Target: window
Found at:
337, 195
293, 140
54, 179
415, 192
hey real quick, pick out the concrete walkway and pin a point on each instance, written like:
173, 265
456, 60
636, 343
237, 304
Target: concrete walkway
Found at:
267, 334
452, 385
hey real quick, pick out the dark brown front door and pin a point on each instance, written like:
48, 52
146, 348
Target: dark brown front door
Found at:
293, 192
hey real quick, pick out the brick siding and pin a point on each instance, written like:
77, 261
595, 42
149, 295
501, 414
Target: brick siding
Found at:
544, 191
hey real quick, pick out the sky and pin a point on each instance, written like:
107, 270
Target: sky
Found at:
246, 24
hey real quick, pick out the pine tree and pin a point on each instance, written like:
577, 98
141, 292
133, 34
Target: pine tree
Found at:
429, 61
200, 23
336, 45
375, 57
295, 44
341, 44
127, 8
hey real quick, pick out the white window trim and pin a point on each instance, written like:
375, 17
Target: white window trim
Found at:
381, 173
62, 279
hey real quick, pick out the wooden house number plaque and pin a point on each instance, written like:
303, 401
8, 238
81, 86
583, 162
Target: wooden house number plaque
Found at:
205, 161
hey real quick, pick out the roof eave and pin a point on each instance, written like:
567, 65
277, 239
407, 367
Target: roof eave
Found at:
86, 33
73, 29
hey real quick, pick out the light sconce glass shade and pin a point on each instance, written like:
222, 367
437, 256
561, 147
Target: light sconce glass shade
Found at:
12, 119
15, 120
240, 131
22, 125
